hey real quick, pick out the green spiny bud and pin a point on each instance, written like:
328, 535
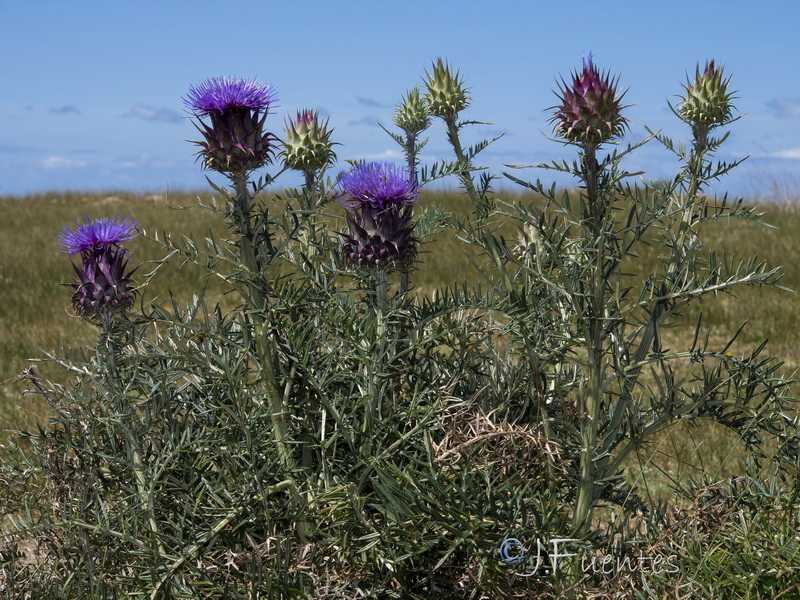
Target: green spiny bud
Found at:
412, 114
707, 102
446, 93
308, 145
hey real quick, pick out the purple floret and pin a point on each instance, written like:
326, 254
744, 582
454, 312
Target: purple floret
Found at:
378, 185
97, 234
221, 94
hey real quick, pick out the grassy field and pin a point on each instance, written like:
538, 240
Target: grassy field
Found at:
35, 316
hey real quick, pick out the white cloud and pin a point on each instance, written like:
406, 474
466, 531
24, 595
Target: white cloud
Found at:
790, 153
364, 121
390, 154
60, 162
148, 113
133, 162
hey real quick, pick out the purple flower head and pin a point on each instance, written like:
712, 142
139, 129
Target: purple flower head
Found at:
378, 185
97, 234
235, 140
222, 94
104, 282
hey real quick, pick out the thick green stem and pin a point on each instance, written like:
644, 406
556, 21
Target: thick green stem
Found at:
265, 343
110, 350
310, 199
375, 366
479, 204
591, 396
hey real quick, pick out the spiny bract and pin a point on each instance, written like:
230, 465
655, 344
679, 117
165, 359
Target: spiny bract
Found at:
379, 239
412, 114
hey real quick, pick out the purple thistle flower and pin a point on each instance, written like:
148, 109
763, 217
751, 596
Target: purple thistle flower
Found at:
379, 185
235, 141
97, 234
222, 94
103, 285
381, 230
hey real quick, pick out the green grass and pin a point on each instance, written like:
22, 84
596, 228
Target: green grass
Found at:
35, 316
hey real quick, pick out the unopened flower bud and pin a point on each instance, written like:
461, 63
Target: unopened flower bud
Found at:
590, 111
412, 114
707, 101
308, 145
446, 94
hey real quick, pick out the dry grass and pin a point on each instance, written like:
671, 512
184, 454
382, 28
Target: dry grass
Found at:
35, 316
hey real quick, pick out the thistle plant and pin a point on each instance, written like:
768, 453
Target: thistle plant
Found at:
294, 440
590, 114
236, 143
618, 374
447, 96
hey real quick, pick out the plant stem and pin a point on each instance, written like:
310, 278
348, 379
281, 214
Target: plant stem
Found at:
479, 204
594, 224
265, 344
374, 401
109, 345
310, 207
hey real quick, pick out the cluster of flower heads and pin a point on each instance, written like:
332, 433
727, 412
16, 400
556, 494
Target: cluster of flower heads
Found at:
104, 284
379, 198
235, 141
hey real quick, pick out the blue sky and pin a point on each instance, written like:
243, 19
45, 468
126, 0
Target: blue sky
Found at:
91, 91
